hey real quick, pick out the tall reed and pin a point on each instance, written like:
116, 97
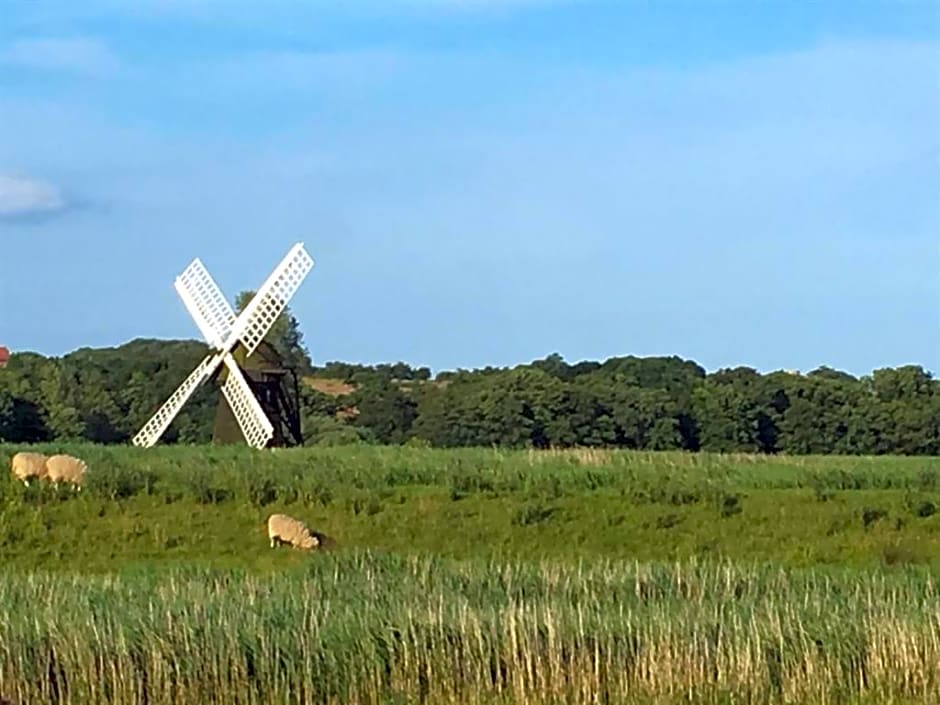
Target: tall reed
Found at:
367, 628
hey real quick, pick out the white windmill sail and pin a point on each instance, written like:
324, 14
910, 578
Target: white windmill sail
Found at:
255, 425
161, 420
205, 303
264, 308
223, 330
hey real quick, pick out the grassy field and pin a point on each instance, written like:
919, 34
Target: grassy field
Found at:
473, 576
209, 505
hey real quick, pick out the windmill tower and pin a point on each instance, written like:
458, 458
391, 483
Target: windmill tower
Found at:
233, 339
276, 388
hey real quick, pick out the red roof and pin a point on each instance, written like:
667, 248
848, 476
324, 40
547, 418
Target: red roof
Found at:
4, 356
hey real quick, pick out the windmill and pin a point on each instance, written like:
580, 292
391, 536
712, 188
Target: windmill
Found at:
231, 338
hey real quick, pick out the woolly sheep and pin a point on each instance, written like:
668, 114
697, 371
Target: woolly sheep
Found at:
285, 529
28, 465
65, 468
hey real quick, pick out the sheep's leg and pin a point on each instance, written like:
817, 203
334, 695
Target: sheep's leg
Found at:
272, 542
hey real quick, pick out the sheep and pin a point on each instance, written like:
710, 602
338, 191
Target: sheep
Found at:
26, 465
65, 468
285, 529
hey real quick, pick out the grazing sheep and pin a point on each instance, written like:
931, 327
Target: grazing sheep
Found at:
65, 468
28, 465
285, 529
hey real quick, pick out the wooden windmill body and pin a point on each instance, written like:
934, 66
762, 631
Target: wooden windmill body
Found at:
255, 392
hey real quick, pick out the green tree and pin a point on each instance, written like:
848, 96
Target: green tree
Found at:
330, 431
577, 417
676, 377
554, 365
440, 415
386, 412
7, 420
285, 336
646, 419
59, 391
22, 418
909, 402
826, 413
736, 410
476, 410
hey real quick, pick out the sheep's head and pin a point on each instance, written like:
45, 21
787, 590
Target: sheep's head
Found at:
309, 542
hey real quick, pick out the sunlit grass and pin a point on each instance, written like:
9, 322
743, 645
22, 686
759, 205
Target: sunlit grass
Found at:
365, 628
209, 505
472, 576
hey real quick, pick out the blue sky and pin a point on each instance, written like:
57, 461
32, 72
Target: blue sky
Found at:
481, 181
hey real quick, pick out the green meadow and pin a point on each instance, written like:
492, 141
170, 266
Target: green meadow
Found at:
209, 505
472, 575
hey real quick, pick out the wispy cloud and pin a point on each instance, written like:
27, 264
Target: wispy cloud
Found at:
25, 197
82, 55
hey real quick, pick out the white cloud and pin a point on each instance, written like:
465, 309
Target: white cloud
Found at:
78, 55
22, 196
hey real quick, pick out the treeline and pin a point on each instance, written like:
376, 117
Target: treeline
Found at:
656, 403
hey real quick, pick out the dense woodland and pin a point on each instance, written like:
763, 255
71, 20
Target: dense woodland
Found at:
655, 403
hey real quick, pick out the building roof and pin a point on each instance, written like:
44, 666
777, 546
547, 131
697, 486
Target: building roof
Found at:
4, 356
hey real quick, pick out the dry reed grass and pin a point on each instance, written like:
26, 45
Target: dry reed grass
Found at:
580, 456
367, 629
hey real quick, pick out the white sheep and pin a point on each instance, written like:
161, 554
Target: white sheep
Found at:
65, 468
25, 466
285, 529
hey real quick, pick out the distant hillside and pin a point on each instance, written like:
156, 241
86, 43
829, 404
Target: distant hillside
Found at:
331, 387
655, 403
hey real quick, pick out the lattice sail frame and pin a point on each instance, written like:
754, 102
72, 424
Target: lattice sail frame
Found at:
255, 425
223, 330
206, 304
262, 311
160, 421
